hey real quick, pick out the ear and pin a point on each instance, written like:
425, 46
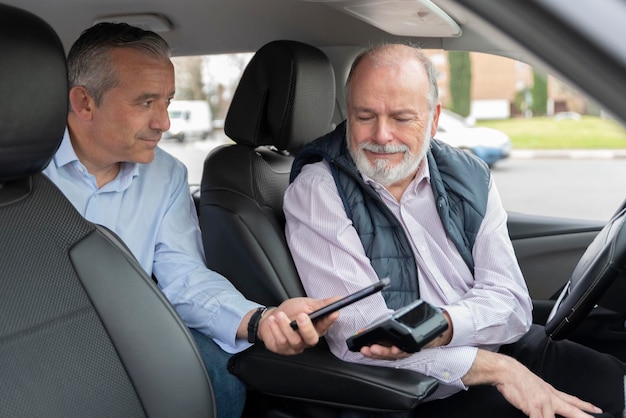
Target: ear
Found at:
81, 102
435, 125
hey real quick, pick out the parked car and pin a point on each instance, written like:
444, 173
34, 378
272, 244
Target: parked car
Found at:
550, 34
188, 119
490, 145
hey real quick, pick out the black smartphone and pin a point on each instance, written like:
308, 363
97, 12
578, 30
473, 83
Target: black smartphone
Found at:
358, 295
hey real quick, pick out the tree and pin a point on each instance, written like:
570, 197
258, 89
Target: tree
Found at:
460, 82
221, 77
539, 93
189, 85
522, 101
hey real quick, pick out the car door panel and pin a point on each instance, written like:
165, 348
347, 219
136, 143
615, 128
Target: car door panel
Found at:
548, 250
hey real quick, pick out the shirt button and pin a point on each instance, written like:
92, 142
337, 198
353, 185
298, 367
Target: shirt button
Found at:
446, 375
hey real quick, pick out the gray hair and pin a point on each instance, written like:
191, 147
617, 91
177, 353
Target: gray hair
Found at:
392, 53
89, 59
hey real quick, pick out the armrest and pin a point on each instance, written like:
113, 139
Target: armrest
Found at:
317, 375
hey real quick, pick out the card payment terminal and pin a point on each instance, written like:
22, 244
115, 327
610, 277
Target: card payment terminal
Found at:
409, 328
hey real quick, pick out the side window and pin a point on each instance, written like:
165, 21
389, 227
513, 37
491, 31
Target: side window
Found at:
552, 151
204, 87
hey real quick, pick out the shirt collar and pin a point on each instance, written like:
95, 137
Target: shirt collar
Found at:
66, 155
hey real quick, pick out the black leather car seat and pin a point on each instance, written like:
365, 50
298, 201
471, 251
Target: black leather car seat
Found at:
84, 332
285, 99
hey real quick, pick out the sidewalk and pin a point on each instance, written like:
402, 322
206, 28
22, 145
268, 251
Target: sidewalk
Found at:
599, 154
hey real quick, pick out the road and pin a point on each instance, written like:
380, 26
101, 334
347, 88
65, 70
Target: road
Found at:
584, 188
576, 188
581, 187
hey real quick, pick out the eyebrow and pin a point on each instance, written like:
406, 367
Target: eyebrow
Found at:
153, 96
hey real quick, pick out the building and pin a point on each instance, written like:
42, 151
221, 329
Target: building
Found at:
496, 81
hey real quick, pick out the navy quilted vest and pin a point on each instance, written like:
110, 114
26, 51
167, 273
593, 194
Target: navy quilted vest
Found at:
460, 185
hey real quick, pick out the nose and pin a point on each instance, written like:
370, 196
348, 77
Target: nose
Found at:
160, 119
382, 131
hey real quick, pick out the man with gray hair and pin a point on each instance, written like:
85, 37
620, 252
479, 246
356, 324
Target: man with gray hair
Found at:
109, 166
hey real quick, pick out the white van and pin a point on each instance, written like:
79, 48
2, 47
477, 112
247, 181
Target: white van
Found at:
189, 118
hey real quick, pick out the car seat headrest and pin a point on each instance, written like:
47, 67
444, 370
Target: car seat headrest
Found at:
285, 98
34, 91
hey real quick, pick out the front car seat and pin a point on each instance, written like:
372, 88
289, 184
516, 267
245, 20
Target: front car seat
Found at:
285, 99
83, 330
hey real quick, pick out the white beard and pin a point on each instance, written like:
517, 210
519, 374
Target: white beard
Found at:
381, 170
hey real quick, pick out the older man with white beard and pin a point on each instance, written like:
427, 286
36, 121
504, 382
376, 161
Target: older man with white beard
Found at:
378, 197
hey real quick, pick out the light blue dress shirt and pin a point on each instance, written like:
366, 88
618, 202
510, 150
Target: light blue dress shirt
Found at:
150, 207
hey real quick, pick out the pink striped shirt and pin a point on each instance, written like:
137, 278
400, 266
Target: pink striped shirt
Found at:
487, 309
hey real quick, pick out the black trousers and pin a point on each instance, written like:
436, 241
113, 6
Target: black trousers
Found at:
570, 367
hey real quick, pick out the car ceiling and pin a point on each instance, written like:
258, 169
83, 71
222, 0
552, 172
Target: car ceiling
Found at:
596, 62
226, 26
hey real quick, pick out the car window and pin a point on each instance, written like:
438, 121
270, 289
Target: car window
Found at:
548, 146
204, 86
564, 150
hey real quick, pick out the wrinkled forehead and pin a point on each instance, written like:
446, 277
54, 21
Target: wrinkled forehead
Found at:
389, 88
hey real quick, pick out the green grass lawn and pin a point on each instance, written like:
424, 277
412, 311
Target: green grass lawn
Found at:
590, 132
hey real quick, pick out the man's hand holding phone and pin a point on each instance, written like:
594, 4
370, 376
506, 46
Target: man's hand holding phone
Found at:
275, 329
348, 300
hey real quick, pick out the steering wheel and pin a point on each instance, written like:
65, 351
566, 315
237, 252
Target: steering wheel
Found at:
603, 261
